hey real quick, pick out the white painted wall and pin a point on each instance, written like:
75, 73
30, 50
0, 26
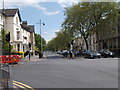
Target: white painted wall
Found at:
13, 26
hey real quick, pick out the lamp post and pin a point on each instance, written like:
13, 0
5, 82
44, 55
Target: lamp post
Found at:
41, 46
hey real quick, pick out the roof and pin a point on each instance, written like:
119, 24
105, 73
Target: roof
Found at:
29, 28
12, 13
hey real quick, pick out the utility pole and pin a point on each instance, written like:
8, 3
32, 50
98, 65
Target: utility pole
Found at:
41, 46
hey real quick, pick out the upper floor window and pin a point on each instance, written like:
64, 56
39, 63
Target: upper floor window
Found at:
1, 28
17, 29
0, 17
18, 35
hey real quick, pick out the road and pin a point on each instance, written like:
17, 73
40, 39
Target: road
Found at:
58, 72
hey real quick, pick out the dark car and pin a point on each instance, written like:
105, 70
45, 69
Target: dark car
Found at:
92, 54
82, 52
106, 53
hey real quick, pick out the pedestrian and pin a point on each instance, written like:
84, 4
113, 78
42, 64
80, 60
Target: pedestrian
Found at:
29, 56
70, 53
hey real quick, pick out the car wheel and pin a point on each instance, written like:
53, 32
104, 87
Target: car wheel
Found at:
112, 56
99, 57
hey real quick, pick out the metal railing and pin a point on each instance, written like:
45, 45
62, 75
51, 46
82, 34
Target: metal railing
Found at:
5, 77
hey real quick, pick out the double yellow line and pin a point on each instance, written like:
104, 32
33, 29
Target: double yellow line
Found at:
17, 84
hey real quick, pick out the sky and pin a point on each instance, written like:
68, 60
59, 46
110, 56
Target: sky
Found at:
50, 12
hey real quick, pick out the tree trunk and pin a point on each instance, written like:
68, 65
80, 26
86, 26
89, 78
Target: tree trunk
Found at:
97, 36
86, 42
98, 40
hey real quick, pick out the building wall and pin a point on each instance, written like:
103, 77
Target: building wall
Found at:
20, 37
109, 35
2, 19
92, 41
12, 24
26, 40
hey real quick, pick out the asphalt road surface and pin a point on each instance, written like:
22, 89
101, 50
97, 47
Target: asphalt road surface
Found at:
58, 72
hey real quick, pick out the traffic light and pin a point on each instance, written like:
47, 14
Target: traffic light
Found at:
8, 37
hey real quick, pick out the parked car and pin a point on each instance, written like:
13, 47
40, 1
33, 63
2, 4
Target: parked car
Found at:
106, 53
59, 52
92, 54
82, 52
64, 53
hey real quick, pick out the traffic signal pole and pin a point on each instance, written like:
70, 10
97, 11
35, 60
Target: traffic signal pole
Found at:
9, 52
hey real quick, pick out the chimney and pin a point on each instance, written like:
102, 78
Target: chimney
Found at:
24, 23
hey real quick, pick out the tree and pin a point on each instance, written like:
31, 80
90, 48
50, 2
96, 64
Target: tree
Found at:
100, 12
85, 17
5, 44
77, 22
38, 42
60, 42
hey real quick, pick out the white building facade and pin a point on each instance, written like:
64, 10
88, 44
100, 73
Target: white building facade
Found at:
20, 34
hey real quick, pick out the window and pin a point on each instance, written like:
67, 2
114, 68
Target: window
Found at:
17, 29
18, 35
1, 28
25, 37
18, 47
0, 17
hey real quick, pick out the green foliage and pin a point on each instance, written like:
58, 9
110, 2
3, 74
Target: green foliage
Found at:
87, 17
63, 37
5, 45
38, 42
36, 49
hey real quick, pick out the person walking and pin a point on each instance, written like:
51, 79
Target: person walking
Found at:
29, 56
70, 53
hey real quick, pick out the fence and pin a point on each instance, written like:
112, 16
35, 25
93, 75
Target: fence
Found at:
5, 77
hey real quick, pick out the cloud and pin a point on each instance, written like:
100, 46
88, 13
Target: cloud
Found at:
51, 13
57, 30
46, 32
25, 3
25, 0
50, 34
39, 7
22, 3
49, 37
65, 3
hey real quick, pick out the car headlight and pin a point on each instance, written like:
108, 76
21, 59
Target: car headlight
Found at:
98, 54
111, 53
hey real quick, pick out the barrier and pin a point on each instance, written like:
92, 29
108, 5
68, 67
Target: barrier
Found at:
5, 79
9, 58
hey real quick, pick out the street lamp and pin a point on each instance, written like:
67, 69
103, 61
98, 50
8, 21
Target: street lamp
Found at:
41, 51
